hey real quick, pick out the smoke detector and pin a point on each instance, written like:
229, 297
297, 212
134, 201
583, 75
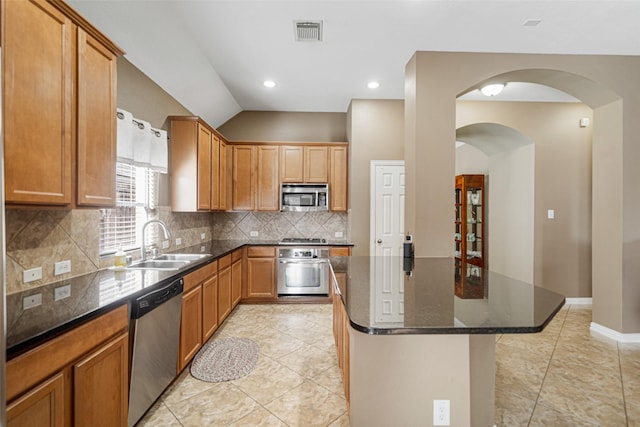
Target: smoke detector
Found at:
308, 31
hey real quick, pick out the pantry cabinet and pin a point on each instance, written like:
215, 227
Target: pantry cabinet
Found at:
59, 77
83, 382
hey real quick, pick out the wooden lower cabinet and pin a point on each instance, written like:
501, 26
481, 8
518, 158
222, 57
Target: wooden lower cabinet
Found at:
100, 384
190, 326
39, 386
341, 336
209, 307
236, 278
224, 288
261, 272
44, 405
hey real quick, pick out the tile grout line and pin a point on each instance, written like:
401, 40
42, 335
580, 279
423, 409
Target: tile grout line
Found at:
624, 398
535, 404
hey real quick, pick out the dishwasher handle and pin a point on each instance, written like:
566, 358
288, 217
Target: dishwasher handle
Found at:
148, 302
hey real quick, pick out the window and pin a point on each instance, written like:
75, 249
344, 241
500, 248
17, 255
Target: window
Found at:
121, 226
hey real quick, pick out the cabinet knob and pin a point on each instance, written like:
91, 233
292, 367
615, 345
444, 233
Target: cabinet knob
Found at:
379, 240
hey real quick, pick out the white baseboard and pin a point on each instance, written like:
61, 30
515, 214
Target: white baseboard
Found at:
579, 301
615, 335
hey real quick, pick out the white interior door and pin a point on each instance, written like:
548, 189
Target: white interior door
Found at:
387, 208
387, 234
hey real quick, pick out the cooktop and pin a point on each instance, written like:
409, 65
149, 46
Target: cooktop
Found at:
303, 241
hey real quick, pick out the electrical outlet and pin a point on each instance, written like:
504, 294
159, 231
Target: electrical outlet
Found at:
178, 240
165, 244
441, 413
203, 236
62, 267
338, 234
254, 234
202, 249
31, 301
61, 292
32, 274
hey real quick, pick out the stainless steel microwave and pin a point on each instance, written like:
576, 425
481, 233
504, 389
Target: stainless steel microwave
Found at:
304, 197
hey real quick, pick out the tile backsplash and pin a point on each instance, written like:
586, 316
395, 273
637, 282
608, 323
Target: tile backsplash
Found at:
39, 238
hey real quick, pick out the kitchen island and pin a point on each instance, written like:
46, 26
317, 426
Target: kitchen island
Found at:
412, 333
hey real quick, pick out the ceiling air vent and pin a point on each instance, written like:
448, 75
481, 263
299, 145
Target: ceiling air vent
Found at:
308, 31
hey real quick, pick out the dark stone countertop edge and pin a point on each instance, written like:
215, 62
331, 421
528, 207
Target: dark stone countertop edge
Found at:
41, 337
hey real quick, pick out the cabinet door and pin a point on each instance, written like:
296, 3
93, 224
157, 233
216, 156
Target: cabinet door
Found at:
224, 293
243, 191
268, 185
37, 95
223, 175
215, 173
42, 406
96, 139
190, 326
261, 277
291, 164
100, 384
236, 283
316, 168
204, 168
338, 179
209, 307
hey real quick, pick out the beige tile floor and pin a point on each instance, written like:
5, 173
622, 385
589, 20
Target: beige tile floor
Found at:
560, 377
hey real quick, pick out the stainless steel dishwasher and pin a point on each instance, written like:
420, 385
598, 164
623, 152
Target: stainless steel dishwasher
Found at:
155, 328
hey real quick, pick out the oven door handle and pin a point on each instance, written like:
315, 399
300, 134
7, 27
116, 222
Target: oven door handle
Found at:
303, 261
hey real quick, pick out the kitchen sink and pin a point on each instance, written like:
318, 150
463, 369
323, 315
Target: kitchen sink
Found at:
167, 262
154, 264
180, 257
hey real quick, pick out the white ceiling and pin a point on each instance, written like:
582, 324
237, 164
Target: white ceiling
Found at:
213, 55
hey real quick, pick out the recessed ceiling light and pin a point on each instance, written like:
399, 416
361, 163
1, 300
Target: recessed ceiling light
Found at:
492, 90
373, 85
269, 83
531, 22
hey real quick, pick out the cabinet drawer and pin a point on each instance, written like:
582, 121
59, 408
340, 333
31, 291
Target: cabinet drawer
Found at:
200, 275
236, 255
224, 262
340, 251
261, 251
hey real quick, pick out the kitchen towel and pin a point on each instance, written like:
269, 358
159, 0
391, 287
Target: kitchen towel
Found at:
159, 159
124, 136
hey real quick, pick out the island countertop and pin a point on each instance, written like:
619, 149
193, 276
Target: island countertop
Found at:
392, 295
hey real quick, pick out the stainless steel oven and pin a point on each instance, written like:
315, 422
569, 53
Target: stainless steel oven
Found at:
303, 271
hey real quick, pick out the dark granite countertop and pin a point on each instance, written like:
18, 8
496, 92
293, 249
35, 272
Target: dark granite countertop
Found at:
97, 293
434, 299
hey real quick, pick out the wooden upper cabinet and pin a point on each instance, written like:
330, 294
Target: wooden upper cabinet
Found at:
244, 187
291, 163
223, 175
96, 124
338, 179
315, 164
59, 77
215, 173
204, 168
38, 103
268, 186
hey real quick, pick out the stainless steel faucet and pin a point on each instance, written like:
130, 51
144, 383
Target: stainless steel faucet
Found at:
167, 235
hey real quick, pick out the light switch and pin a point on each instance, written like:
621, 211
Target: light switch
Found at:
551, 214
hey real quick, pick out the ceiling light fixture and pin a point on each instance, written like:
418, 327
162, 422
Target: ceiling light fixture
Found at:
269, 83
373, 85
492, 90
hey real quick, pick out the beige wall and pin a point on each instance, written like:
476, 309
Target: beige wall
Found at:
376, 133
562, 260
431, 89
286, 126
